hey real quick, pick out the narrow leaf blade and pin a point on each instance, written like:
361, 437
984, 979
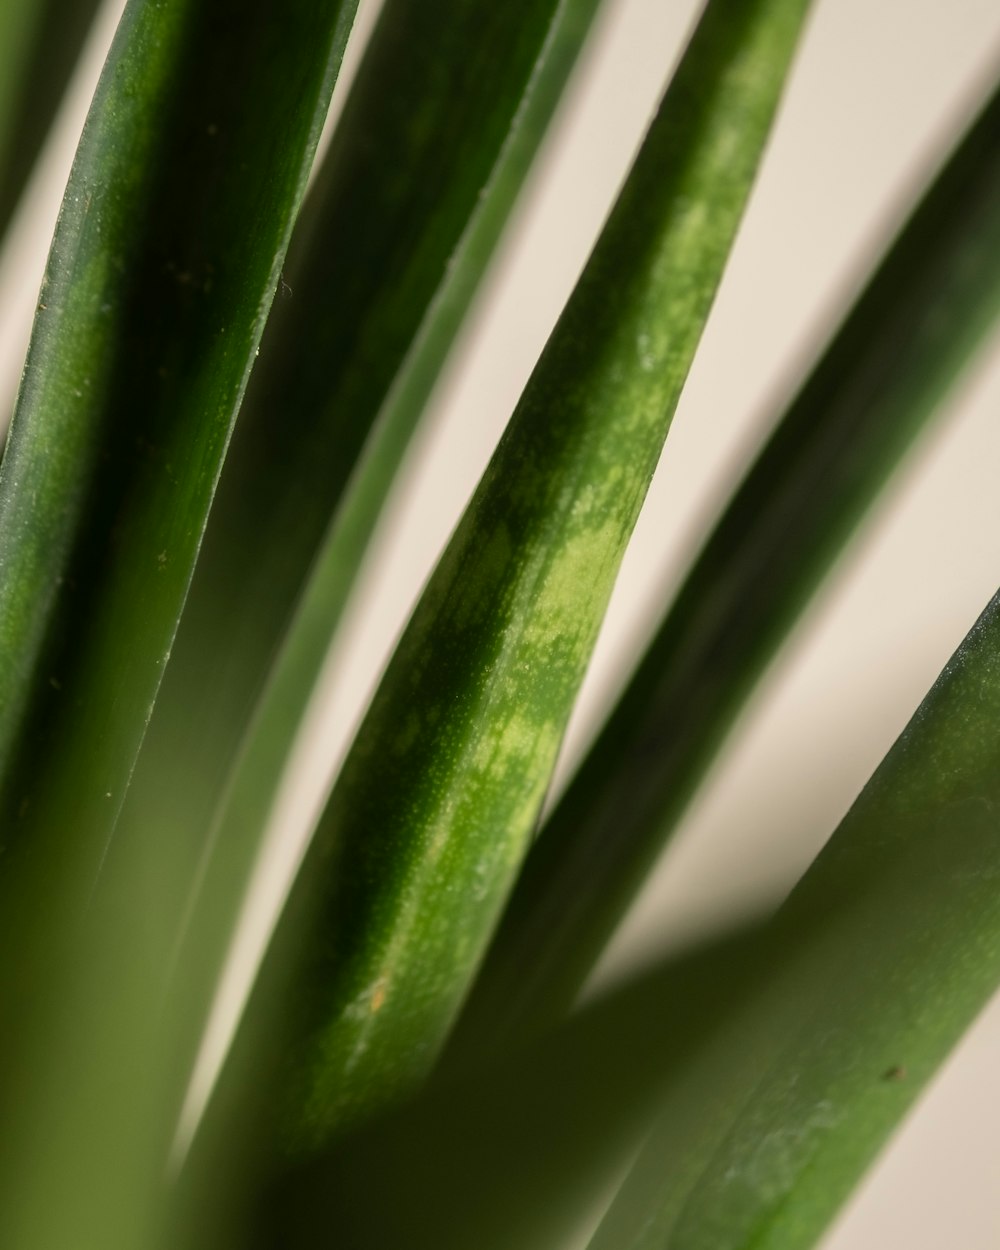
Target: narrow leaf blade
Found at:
468, 718
355, 352
921, 317
148, 323
880, 959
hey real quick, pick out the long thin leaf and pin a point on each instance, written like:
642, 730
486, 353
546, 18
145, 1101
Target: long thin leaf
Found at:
39, 44
205, 119
441, 790
359, 342
148, 322
878, 962
392, 244
923, 314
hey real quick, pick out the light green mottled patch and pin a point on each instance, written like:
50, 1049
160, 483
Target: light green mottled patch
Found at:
575, 583
510, 743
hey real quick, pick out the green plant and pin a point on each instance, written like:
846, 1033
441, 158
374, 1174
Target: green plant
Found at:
413, 1065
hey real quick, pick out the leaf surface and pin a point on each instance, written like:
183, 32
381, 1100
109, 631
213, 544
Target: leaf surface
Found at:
169, 245
421, 189
872, 970
925, 311
430, 817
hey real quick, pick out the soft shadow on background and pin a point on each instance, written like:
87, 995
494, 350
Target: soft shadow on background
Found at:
878, 86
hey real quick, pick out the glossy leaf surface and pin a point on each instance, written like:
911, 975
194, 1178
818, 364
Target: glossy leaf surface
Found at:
147, 325
392, 243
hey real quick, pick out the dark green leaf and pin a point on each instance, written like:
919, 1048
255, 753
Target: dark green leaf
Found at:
151, 311
395, 238
169, 245
39, 43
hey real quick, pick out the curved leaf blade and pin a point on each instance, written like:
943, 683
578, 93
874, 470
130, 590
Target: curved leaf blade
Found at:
422, 190
912, 875
468, 718
875, 966
509, 72
927, 308
148, 323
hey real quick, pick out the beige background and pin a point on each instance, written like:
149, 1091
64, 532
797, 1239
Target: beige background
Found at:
878, 85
